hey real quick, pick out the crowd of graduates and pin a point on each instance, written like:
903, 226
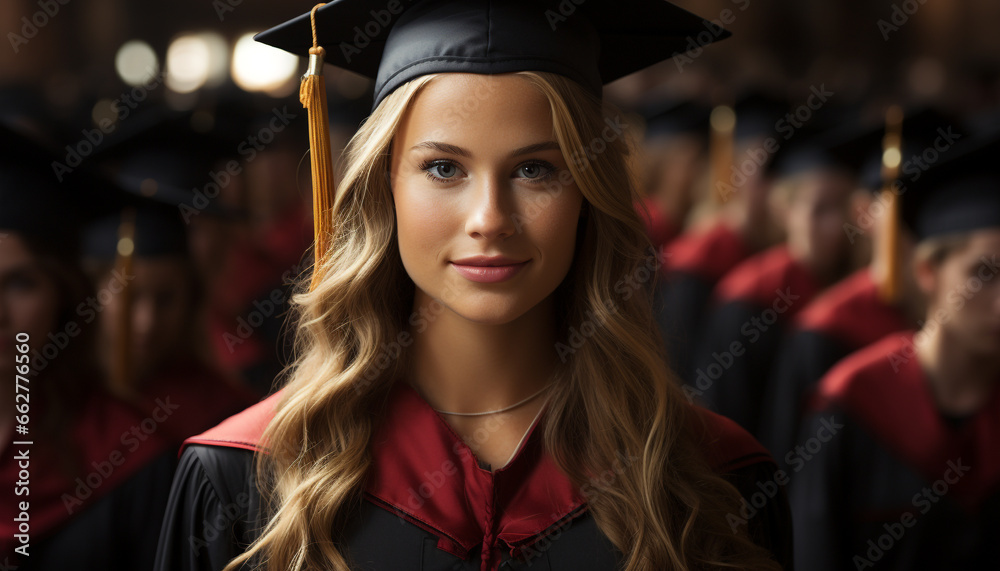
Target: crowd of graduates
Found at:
826, 278
840, 304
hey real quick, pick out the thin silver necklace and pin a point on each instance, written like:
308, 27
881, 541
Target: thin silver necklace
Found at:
499, 410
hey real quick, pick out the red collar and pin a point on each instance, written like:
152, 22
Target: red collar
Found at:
758, 278
707, 254
424, 471
852, 312
884, 387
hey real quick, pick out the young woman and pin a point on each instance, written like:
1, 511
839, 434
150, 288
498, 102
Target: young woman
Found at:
479, 382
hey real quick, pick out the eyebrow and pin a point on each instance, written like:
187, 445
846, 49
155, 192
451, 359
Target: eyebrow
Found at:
456, 150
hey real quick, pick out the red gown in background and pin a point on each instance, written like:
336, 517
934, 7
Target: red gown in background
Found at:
692, 265
743, 329
893, 483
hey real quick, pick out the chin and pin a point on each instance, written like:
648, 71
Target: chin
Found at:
488, 316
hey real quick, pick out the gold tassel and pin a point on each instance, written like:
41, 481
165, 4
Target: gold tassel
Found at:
122, 382
312, 94
723, 121
891, 159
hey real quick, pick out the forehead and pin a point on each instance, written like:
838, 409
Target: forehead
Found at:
475, 110
985, 242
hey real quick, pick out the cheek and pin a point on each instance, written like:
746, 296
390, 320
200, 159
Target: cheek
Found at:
34, 312
554, 229
423, 223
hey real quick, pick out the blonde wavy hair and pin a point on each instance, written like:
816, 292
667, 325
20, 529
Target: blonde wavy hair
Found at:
614, 396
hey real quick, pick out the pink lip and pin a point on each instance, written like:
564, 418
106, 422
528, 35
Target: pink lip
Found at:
488, 269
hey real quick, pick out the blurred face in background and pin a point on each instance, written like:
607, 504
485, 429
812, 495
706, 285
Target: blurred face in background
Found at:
816, 206
676, 163
747, 194
962, 287
29, 300
162, 310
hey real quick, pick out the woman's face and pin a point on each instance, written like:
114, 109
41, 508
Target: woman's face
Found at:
485, 224
29, 299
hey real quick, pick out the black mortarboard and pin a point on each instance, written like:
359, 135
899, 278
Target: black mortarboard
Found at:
758, 114
593, 42
170, 157
811, 149
959, 194
677, 117
159, 231
865, 147
35, 203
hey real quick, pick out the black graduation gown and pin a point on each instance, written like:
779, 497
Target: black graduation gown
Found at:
428, 505
93, 500
103, 512
848, 316
743, 330
692, 265
882, 480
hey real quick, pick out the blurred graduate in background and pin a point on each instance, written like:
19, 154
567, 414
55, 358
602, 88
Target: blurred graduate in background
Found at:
92, 477
902, 469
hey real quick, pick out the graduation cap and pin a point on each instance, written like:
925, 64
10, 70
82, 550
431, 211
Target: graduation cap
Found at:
149, 228
50, 212
158, 231
170, 157
959, 194
673, 118
38, 205
866, 148
817, 145
880, 154
592, 43
757, 114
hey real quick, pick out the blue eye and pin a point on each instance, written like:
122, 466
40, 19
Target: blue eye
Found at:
535, 170
440, 170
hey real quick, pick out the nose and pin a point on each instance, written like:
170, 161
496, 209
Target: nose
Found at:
490, 214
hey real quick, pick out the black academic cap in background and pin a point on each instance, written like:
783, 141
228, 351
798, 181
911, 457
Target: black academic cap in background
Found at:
38, 205
757, 114
814, 146
676, 117
169, 156
959, 194
159, 231
592, 43
921, 128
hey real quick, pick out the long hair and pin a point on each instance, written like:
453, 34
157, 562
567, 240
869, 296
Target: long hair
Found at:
614, 397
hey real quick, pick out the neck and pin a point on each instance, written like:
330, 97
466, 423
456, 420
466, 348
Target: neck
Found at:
462, 366
962, 382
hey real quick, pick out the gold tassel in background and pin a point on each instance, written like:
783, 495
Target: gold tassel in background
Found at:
312, 93
891, 159
723, 124
122, 382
